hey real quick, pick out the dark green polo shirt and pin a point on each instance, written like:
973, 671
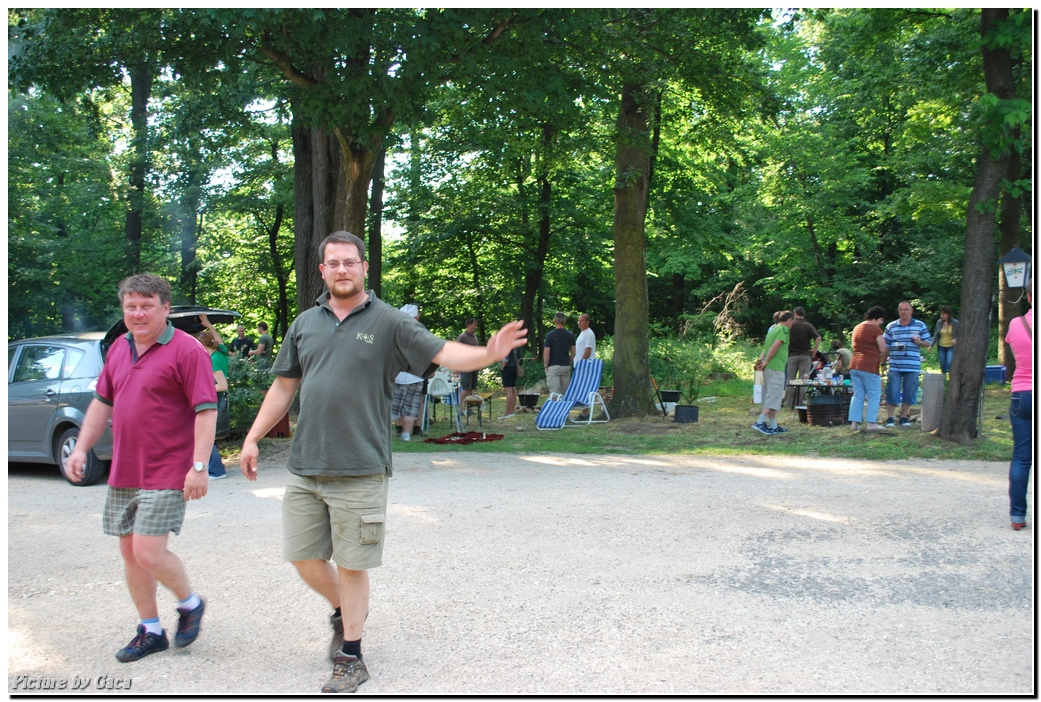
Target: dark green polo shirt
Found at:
347, 372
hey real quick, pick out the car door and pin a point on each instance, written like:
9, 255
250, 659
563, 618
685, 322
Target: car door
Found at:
33, 396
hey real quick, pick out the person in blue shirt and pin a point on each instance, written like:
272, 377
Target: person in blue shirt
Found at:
904, 337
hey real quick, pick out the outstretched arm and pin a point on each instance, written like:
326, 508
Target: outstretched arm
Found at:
464, 358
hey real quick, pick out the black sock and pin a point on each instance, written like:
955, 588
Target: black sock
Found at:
352, 648
337, 612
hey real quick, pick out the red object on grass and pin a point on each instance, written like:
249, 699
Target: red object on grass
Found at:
468, 437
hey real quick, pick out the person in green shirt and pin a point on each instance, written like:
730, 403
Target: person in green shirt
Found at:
774, 363
211, 340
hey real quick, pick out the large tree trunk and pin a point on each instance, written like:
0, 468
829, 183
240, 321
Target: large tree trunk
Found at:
190, 225
281, 324
961, 404
141, 77
375, 241
535, 266
331, 185
332, 173
355, 175
632, 379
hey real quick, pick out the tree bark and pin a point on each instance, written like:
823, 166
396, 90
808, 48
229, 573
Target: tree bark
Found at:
632, 380
961, 404
281, 323
305, 254
375, 241
190, 225
534, 268
141, 76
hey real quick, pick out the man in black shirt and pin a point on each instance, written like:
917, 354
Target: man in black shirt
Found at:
241, 343
557, 353
802, 347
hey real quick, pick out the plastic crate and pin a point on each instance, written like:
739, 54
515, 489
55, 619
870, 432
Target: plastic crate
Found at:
996, 374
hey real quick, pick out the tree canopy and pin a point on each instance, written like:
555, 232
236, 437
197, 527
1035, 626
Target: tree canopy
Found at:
635, 164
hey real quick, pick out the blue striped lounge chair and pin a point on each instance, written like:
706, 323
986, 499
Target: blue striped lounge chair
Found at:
581, 394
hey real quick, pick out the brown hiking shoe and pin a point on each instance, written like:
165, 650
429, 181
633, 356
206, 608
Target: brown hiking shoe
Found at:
348, 673
337, 643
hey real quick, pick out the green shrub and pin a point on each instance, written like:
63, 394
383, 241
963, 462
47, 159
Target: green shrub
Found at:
248, 382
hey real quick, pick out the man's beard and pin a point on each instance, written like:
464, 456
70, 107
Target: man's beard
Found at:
346, 292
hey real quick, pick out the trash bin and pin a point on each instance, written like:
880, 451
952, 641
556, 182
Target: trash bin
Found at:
932, 401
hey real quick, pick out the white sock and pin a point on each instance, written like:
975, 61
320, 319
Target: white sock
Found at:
191, 603
762, 419
152, 626
405, 437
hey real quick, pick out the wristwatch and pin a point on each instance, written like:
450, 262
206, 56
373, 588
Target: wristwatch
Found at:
199, 466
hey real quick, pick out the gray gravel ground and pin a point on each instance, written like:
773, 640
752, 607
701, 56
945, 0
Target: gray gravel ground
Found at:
566, 575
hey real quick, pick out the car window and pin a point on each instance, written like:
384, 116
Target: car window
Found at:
39, 363
72, 359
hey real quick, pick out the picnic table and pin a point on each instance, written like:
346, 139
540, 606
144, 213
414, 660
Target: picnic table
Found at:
827, 401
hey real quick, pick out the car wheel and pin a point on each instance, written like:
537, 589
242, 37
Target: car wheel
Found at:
95, 468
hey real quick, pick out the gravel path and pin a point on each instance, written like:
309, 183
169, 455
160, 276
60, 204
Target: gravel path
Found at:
565, 575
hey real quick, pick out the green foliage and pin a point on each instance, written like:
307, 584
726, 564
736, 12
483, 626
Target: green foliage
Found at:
686, 362
825, 161
248, 382
65, 218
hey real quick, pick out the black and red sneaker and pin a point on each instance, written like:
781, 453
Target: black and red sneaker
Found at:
142, 645
188, 625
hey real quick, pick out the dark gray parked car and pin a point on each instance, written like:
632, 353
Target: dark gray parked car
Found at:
50, 383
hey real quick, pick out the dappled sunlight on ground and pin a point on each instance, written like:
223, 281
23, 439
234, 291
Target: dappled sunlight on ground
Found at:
773, 467
807, 513
276, 492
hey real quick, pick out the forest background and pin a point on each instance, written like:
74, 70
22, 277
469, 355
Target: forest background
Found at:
674, 173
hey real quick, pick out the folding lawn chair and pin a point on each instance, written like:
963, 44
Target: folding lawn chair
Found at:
441, 389
580, 394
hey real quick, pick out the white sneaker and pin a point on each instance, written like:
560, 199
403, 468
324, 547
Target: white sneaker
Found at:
406, 437
507, 416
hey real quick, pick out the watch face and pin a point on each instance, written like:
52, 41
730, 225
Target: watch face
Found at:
198, 466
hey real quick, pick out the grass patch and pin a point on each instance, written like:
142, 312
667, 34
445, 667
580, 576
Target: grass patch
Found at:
725, 428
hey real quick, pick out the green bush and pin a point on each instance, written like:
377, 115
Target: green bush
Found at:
248, 382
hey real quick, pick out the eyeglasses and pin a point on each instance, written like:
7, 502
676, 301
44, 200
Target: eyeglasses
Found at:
334, 265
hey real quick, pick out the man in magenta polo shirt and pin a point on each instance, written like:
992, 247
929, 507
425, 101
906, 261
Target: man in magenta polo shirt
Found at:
157, 388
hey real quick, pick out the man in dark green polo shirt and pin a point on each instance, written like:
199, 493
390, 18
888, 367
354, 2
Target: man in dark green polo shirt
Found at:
343, 355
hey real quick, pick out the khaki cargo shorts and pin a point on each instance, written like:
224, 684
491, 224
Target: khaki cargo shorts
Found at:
773, 388
337, 517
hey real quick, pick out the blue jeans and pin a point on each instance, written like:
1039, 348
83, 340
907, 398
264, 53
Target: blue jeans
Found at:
216, 466
866, 386
903, 383
1021, 414
946, 355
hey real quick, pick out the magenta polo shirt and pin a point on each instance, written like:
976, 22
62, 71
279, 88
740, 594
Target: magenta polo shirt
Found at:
1023, 349
154, 400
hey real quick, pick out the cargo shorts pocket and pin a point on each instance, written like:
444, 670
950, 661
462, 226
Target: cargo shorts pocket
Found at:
372, 528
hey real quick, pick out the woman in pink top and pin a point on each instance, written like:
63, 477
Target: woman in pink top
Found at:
1020, 338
